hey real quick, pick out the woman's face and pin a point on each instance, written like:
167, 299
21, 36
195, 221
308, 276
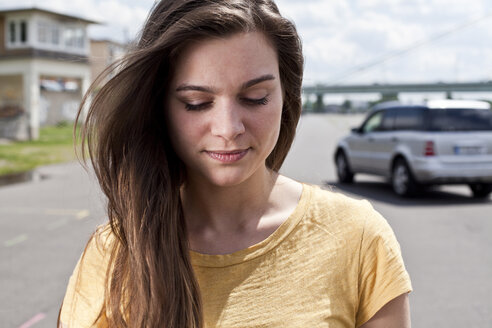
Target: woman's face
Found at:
224, 108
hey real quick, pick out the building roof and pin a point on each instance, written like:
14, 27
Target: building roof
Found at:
45, 11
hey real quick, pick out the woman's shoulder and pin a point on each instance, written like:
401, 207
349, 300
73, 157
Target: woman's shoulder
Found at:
101, 241
327, 201
98, 249
95, 260
336, 212
84, 298
348, 218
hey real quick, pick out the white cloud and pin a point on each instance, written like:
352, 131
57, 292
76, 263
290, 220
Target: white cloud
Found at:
439, 9
316, 12
360, 32
117, 18
326, 57
340, 35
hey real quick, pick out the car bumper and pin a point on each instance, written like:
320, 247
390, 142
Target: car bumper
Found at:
436, 172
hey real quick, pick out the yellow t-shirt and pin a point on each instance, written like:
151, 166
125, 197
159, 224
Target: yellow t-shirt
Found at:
333, 263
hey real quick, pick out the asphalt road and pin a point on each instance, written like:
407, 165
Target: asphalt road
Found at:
444, 235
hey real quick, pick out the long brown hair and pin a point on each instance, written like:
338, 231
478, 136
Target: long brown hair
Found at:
151, 282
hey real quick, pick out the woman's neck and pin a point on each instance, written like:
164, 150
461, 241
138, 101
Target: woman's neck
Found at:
227, 209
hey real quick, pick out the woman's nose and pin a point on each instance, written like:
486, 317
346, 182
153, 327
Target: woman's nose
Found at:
227, 121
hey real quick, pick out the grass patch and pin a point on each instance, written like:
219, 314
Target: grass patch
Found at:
55, 145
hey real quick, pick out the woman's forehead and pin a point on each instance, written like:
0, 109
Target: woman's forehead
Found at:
241, 56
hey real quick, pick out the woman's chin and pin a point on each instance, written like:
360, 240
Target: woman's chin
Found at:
227, 178
226, 181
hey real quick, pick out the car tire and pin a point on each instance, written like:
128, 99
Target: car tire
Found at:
402, 180
480, 190
345, 175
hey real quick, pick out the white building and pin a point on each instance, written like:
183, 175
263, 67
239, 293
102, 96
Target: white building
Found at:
44, 69
103, 53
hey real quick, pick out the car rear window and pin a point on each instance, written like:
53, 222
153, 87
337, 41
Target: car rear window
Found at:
460, 119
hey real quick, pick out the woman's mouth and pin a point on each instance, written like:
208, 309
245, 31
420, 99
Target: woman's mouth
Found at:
227, 156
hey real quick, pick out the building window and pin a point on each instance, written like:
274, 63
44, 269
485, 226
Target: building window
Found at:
42, 33
55, 35
79, 38
23, 31
12, 32
74, 38
48, 33
69, 37
18, 33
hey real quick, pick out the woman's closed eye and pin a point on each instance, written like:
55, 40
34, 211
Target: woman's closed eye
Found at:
247, 101
255, 101
198, 107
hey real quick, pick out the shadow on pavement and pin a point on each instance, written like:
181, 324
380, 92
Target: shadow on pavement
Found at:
382, 192
15, 178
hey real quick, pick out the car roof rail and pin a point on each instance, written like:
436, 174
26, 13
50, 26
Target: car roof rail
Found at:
437, 104
454, 103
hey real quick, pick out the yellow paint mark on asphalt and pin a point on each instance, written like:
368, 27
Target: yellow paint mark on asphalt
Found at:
16, 240
82, 214
61, 211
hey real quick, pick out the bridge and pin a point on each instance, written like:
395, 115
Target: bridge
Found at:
392, 90
397, 88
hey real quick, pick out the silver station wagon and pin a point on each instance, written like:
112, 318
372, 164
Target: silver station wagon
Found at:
414, 146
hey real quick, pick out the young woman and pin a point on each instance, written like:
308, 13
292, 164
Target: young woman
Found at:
186, 140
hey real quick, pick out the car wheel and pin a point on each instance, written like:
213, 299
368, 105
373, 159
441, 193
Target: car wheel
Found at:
402, 180
344, 173
481, 190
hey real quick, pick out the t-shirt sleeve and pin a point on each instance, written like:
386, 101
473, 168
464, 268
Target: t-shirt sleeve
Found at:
84, 299
382, 273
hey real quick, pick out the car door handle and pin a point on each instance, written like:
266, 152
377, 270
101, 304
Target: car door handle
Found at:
395, 139
371, 139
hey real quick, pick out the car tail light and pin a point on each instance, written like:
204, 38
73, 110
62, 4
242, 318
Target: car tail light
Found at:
429, 149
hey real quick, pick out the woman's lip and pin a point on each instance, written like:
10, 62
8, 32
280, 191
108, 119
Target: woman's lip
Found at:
229, 156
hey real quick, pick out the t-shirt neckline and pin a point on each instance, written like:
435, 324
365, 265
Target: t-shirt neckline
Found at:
260, 248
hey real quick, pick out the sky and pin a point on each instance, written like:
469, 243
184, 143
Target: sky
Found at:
347, 41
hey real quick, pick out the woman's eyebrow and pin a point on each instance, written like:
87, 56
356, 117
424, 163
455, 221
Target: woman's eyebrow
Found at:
250, 83
245, 85
188, 87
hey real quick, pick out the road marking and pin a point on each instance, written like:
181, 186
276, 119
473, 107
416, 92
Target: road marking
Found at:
14, 241
31, 322
82, 214
61, 211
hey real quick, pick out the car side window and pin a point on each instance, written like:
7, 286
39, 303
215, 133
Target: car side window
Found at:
389, 116
373, 123
409, 118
